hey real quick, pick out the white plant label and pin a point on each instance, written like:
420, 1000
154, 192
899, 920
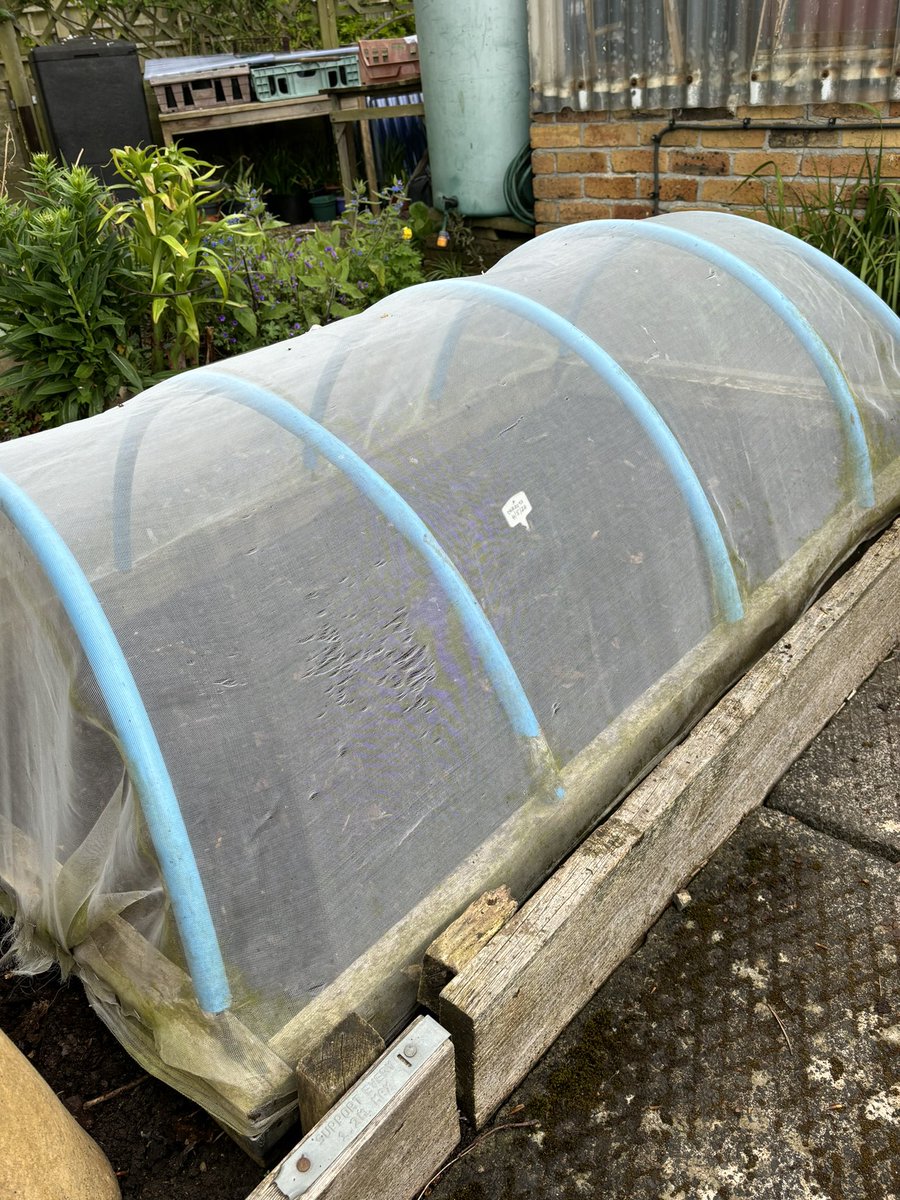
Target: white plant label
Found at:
516, 510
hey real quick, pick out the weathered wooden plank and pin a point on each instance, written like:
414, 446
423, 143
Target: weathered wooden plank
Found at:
233, 116
508, 1005
393, 1153
334, 1066
460, 942
343, 115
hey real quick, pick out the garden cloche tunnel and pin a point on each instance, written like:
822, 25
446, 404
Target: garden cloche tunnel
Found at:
303, 651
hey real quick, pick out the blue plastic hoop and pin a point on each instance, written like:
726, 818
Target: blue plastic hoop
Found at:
140, 749
404, 518
727, 592
785, 309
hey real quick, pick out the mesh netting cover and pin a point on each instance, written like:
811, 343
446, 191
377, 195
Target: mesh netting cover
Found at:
403, 607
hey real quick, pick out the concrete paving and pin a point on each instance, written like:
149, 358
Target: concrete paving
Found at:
848, 782
750, 1049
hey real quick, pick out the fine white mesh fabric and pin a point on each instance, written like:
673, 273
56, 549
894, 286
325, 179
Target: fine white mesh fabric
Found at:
336, 742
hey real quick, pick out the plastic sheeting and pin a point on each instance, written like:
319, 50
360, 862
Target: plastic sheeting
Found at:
389, 593
648, 54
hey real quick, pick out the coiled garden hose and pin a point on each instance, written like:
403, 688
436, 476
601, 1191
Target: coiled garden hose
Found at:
518, 189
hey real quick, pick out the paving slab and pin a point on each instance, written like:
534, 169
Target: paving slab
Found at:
848, 780
749, 1050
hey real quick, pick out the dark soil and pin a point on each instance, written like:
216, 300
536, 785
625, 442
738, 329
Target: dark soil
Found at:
161, 1146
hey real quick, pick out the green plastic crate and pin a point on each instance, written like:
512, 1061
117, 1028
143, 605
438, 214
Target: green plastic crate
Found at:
283, 81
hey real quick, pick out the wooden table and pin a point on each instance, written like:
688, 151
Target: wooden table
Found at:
344, 107
349, 108
236, 116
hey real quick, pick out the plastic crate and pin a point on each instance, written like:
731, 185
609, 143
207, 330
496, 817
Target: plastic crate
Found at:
216, 88
341, 73
387, 60
281, 81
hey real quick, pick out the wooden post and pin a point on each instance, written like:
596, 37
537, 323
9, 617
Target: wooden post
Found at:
523, 988
328, 22
460, 942
365, 135
30, 121
334, 1066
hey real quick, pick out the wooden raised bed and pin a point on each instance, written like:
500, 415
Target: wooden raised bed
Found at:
506, 1005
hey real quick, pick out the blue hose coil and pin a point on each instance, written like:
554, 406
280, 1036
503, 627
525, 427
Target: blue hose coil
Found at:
140, 749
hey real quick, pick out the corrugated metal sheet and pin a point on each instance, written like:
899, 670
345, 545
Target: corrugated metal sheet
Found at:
617, 54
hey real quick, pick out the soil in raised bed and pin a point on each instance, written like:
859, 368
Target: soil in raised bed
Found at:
161, 1146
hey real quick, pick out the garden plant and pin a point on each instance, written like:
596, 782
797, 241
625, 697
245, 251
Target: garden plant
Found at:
100, 297
68, 310
854, 219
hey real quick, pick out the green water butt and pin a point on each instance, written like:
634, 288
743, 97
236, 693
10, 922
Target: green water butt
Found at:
475, 79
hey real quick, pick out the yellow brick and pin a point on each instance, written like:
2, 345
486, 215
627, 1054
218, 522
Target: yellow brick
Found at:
673, 188
765, 162
775, 112
799, 138
627, 161
834, 166
551, 136
733, 191
756, 214
674, 137
543, 162
610, 187
733, 138
582, 162
557, 187
698, 162
813, 190
850, 112
639, 114
632, 212
546, 211
890, 165
610, 133
585, 211
870, 137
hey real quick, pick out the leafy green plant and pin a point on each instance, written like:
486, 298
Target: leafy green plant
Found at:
168, 237
67, 311
423, 221
855, 220
313, 278
463, 257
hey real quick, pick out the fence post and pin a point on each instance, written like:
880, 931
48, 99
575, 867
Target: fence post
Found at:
23, 98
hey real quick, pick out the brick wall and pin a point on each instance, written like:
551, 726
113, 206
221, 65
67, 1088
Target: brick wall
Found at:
588, 166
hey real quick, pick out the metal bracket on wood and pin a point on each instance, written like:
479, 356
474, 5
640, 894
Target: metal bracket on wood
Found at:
361, 1105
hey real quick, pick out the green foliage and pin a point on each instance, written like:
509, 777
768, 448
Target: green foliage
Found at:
423, 221
462, 258
67, 315
168, 240
286, 284
855, 220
